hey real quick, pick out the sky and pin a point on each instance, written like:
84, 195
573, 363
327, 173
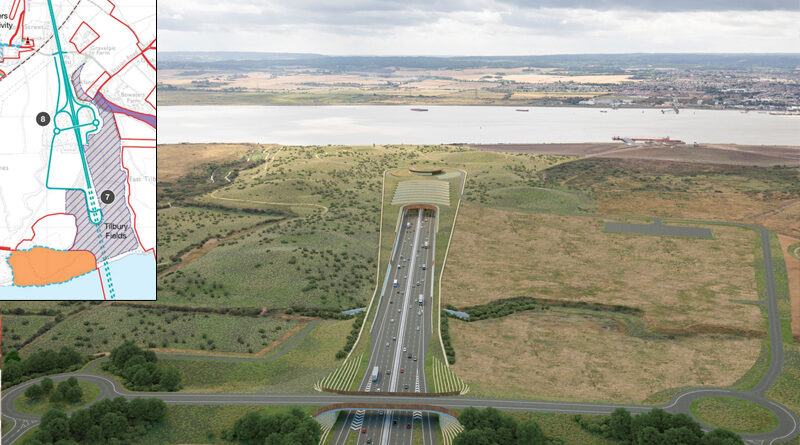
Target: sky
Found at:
479, 27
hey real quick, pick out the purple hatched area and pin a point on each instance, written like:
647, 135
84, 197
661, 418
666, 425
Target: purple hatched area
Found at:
103, 152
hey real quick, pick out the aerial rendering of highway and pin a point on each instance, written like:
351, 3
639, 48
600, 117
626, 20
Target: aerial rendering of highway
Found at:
400, 337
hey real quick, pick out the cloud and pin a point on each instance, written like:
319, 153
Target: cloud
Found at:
451, 27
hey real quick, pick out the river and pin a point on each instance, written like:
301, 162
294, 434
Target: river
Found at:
382, 124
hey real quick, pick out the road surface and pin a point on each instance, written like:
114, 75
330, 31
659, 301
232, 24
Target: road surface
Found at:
399, 338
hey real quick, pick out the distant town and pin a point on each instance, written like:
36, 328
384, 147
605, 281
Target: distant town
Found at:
768, 83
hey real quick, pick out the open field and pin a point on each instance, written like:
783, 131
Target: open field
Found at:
736, 415
495, 254
175, 161
730, 154
41, 406
18, 329
308, 361
562, 428
577, 356
681, 190
181, 422
104, 327
180, 227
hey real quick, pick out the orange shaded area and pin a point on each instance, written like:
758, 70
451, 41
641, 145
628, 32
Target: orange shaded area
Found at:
40, 265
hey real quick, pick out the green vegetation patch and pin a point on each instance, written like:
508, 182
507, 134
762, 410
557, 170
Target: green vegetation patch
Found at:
312, 358
180, 423
733, 414
535, 199
103, 328
21, 329
42, 404
182, 227
794, 250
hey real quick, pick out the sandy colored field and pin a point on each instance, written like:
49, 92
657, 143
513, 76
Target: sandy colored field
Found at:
539, 95
730, 154
577, 357
549, 78
678, 282
177, 160
793, 274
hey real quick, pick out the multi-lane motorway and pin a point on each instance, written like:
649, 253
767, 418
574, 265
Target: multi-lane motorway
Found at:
399, 338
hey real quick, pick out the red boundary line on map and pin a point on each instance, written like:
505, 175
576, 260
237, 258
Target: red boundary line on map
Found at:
80, 51
33, 229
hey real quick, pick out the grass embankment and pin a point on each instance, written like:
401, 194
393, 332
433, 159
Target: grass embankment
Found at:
104, 327
312, 358
41, 406
180, 424
26, 321
736, 415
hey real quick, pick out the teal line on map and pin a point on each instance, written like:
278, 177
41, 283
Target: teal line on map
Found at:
92, 206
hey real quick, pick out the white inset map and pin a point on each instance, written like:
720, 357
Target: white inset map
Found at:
77, 149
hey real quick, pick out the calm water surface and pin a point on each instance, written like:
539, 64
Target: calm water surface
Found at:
367, 124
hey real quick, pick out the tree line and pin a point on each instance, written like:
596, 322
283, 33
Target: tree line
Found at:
17, 370
292, 428
111, 422
656, 427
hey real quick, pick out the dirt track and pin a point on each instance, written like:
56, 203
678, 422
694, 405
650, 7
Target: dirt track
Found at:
761, 155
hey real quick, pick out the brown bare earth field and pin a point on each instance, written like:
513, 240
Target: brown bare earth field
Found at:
176, 160
680, 283
730, 154
565, 356
793, 273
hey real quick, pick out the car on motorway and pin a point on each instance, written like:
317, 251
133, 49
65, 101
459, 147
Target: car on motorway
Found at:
402, 370
418, 328
391, 321
388, 371
363, 431
415, 358
394, 338
387, 344
398, 309
406, 386
380, 413
369, 441
394, 422
408, 426
409, 355
404, 349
